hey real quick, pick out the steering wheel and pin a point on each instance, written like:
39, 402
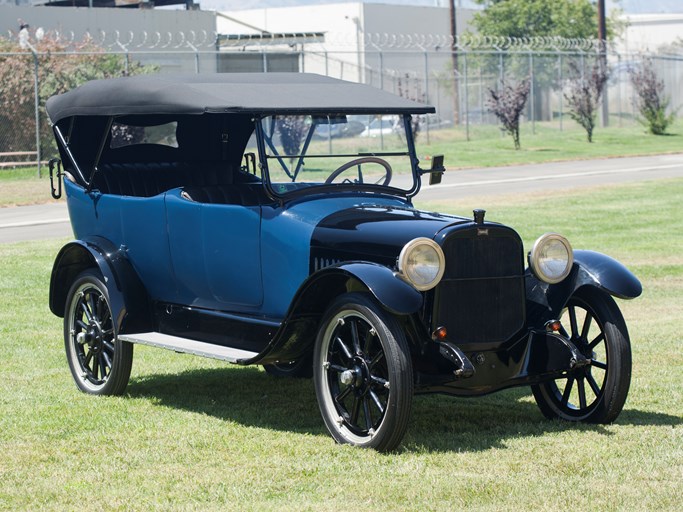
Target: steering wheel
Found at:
363, 160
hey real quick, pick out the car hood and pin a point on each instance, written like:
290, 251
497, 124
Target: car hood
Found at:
373, 233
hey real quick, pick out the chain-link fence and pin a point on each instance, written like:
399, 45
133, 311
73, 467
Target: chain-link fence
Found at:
454, 77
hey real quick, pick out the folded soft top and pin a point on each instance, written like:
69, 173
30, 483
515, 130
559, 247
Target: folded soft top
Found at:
267, 93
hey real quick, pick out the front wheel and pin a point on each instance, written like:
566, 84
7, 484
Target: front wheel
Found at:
594, 393
363, 374
100, 363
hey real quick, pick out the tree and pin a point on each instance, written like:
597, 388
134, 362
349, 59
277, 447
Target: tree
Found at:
414, 94
584, 95
651, 101
540, 18
570, 19
292, 130
507, 105
60, 68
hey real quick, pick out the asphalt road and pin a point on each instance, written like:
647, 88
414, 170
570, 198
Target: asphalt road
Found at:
48, 221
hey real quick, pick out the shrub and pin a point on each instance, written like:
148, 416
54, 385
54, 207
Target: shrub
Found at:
507, 104
650, 99
584, 95
58, 72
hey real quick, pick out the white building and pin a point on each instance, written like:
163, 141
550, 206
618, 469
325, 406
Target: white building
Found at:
360, 41
649, 32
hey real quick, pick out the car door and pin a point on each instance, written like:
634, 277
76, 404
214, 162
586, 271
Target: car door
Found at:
215, 253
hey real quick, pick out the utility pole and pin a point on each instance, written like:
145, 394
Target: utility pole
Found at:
454, 57
602, 42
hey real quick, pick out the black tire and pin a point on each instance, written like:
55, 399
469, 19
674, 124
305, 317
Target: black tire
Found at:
100, 363
363, 374
595, 393
299, 369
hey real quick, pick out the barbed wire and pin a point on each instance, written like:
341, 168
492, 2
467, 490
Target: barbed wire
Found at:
130, 41
423, 42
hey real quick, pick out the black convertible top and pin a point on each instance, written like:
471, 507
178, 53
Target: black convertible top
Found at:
227, 92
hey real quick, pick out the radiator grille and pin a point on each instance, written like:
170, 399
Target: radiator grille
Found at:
481, 297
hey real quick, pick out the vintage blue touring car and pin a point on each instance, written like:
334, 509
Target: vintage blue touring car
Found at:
217, 215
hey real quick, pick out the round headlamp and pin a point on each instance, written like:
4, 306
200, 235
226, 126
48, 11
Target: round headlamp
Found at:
422, 263
551, 258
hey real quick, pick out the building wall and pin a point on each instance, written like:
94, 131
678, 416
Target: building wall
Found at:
339, 54
363, 42
649, 32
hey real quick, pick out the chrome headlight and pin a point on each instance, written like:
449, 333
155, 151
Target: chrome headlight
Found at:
422, 263
551, 258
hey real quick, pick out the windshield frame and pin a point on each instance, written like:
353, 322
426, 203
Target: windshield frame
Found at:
265, 158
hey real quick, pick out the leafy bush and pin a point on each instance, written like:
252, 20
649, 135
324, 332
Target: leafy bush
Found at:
507, 104
61, 67
584, 95
292, 130
651, 101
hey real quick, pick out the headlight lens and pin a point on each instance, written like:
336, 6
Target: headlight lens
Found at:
551, 258
422, 263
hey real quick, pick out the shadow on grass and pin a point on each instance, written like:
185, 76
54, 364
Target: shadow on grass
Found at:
250, 397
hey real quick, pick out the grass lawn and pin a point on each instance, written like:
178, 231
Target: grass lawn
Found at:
195, 434
486, 148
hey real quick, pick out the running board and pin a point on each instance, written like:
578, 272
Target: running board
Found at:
187, 346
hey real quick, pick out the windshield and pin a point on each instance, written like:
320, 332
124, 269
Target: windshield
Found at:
363, 151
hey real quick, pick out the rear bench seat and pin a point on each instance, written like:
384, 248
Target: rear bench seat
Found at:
148, 179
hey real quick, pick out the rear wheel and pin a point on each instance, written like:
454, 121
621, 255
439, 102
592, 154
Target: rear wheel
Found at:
595, 393
363, 374
99, 362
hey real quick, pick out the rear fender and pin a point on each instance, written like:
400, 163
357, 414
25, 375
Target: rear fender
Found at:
545, 301
127, 296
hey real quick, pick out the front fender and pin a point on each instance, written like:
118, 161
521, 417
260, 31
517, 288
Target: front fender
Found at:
299, 329
607, 274
545, 301
391, 291
127, 296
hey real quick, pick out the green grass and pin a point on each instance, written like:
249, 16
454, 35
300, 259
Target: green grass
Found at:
194, 434
486, 148
22, 186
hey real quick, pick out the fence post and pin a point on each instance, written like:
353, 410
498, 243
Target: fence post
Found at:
37, 109
24, 43
467, 102
560, 78
619, 89
481, 97
532, 94
426, 57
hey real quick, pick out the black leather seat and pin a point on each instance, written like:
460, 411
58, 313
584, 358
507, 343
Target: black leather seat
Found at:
245, 194
146, 179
